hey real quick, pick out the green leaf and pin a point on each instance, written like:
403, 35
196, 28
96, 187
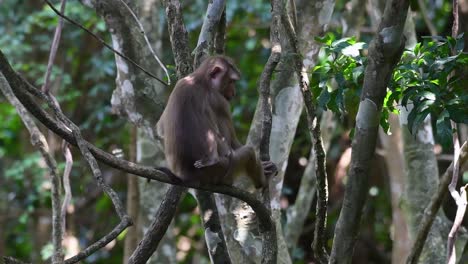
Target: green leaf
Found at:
444, 131
324, 98
415, 119
458, 112
353, 50
384, 121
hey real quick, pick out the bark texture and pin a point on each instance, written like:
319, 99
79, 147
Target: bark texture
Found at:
384, 52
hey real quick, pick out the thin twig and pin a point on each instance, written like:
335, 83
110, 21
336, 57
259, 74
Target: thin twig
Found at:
103, 42
66, 182
150, 47
460, 198
54, 47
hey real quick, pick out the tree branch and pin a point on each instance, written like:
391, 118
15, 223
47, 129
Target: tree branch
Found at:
205, 44
158, 227
179, 38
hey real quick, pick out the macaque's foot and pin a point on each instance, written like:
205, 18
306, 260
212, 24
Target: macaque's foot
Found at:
269, 169
201, 163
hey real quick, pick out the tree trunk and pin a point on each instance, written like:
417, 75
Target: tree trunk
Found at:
384, 53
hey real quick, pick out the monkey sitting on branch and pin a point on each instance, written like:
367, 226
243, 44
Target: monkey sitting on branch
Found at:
199, 138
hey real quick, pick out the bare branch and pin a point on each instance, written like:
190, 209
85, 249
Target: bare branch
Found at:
103, 42
124, 223
208, 30
10, 260
66, 183
220, 36
460, 199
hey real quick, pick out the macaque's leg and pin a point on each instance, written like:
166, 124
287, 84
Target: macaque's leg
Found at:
242, 160
245, 160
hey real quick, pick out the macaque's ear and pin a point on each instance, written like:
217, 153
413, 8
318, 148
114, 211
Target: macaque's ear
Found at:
216, 72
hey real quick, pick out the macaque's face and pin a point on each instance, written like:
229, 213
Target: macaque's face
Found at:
223, 79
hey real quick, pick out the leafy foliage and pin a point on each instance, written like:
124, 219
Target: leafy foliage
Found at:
427, 81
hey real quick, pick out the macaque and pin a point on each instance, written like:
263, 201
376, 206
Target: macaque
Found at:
199, 138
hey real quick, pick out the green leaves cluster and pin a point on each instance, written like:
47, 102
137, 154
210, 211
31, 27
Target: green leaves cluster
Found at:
427, 80
430, 80
337, 80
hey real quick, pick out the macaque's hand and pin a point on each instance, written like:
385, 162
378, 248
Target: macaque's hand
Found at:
206, 162
269, 169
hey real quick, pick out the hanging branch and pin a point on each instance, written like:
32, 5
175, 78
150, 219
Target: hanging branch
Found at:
66, 182
319, 243
104, 43
270, 240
